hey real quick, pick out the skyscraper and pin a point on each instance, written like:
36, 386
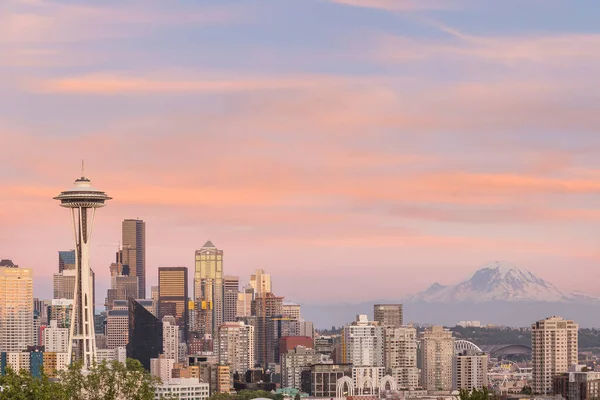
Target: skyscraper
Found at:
244, 302
16, 307
81, 199
66, 260
437, 355
122, 284
470, 370
134, 251
264, 307
553, 350
145, 334
388, 314
170, 338
64, 284
362, 343
231, 287
261, 282
208, 284
236, 346
400, 355
173, 295
56, 340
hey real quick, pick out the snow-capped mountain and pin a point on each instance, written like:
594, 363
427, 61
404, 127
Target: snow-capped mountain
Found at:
500, 281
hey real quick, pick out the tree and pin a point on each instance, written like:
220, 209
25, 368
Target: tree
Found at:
483, 394
527, 390
297, 396
23, 386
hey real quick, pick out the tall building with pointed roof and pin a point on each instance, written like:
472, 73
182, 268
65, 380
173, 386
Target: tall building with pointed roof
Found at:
208, 286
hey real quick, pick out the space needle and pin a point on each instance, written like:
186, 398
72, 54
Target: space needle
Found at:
83, 200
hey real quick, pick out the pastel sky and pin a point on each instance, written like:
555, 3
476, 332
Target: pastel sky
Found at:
355, 149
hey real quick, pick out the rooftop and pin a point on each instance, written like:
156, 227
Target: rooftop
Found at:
7, 263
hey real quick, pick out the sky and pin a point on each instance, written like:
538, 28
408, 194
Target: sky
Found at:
354, 149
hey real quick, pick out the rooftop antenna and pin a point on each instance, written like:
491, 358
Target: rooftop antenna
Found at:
82, 169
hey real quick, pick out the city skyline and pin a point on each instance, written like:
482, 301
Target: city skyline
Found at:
349, 143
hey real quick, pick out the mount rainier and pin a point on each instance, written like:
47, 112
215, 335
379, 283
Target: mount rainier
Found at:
499, 293
499, 282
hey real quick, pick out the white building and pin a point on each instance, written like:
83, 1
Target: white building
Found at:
16, 307
18, 360
162, 368
294, 362
170, 338
553, 350
236, 346
437, 357
183, 389
367, 380
400, 355
362, 343
470, 370
56, 340
119, 354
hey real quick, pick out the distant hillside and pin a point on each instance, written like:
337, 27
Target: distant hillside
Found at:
588, 338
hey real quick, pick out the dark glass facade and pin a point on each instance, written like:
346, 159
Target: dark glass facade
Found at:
145, 334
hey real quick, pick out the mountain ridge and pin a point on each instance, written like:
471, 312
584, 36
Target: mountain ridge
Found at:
499, 281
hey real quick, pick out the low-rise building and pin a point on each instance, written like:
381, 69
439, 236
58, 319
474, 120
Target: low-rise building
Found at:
183, 389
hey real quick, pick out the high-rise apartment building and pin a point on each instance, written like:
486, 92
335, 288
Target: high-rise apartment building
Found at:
56, 340
236, 346
470, 371
363, 343
264, 307
16, 307
173, 295
553, 350
260, 282
134, 251
388, 314
231, 287
208, 287
170, 338
400, 355
437, 356
294, 362
291, 310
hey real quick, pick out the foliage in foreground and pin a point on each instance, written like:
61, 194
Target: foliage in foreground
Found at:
247, 395
483, 394
105, 381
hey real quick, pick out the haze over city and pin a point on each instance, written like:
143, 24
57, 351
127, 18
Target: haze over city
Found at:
332, 143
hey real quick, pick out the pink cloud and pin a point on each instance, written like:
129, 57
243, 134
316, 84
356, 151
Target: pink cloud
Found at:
399, 5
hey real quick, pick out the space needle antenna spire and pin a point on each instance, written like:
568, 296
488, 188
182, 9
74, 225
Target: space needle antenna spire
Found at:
82, 200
